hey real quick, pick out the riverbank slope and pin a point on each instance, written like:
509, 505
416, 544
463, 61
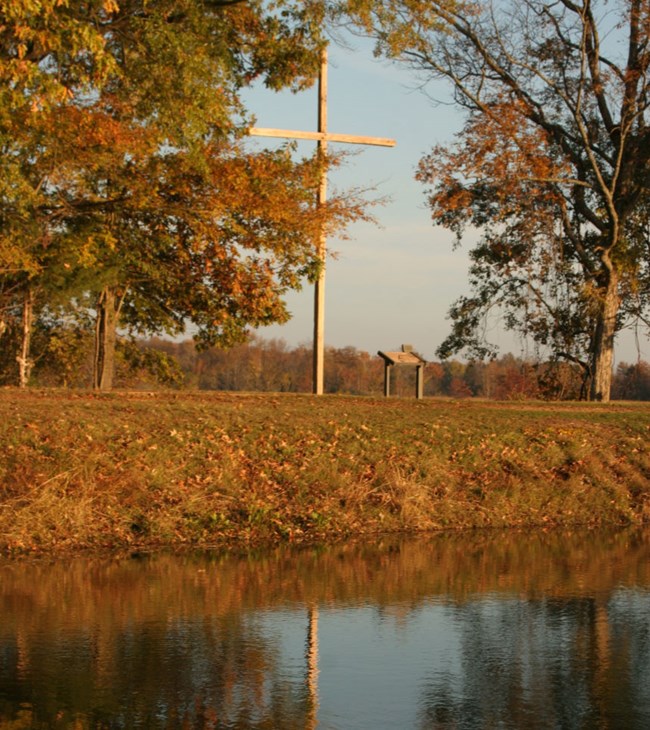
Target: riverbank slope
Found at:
81, 470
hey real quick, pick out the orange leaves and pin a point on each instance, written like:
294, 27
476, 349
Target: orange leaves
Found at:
95, 134
500, 161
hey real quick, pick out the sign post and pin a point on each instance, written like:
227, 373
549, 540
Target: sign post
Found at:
405, 357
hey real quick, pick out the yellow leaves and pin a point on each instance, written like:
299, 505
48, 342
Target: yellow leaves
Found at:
110, 6
92, 247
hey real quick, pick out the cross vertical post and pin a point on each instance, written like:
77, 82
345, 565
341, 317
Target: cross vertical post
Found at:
322, 137
318, 378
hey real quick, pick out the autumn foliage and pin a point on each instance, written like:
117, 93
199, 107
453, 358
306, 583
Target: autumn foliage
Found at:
129, 200
550, 171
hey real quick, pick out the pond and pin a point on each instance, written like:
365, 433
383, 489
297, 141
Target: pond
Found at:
479, 630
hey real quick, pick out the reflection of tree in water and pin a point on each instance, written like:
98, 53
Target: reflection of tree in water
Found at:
551, 663
195, 671
218, 672
629, 623
179, 639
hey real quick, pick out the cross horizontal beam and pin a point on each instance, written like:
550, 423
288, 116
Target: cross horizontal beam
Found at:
320, 136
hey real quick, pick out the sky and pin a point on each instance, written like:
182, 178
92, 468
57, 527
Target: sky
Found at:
392, 283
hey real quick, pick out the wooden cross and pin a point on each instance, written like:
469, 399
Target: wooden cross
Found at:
322, 136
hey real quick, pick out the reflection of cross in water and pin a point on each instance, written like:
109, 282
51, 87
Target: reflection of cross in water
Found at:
311, 680
322, 136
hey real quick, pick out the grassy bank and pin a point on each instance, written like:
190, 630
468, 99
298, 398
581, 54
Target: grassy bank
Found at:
88, 471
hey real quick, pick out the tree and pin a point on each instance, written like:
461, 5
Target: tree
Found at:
46, 51
124, 168
632, 382
551, 165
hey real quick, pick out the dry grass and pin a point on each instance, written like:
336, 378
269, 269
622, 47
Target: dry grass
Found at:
82, 471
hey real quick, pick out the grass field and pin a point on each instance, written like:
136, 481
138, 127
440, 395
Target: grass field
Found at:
79, 470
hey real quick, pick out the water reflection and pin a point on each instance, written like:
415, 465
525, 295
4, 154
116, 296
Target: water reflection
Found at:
453, 631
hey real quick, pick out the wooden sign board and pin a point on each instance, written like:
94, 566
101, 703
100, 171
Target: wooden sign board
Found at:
401, 358
405, 357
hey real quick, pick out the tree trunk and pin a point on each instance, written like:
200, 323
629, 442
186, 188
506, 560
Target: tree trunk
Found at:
603, 345
108, 314
25, 363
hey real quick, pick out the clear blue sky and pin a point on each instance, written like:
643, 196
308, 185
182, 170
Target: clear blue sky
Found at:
394, 283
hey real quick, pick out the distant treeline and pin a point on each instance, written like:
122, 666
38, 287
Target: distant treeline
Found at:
273, 366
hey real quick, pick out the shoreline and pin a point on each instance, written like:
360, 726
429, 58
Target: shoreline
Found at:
148, 471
